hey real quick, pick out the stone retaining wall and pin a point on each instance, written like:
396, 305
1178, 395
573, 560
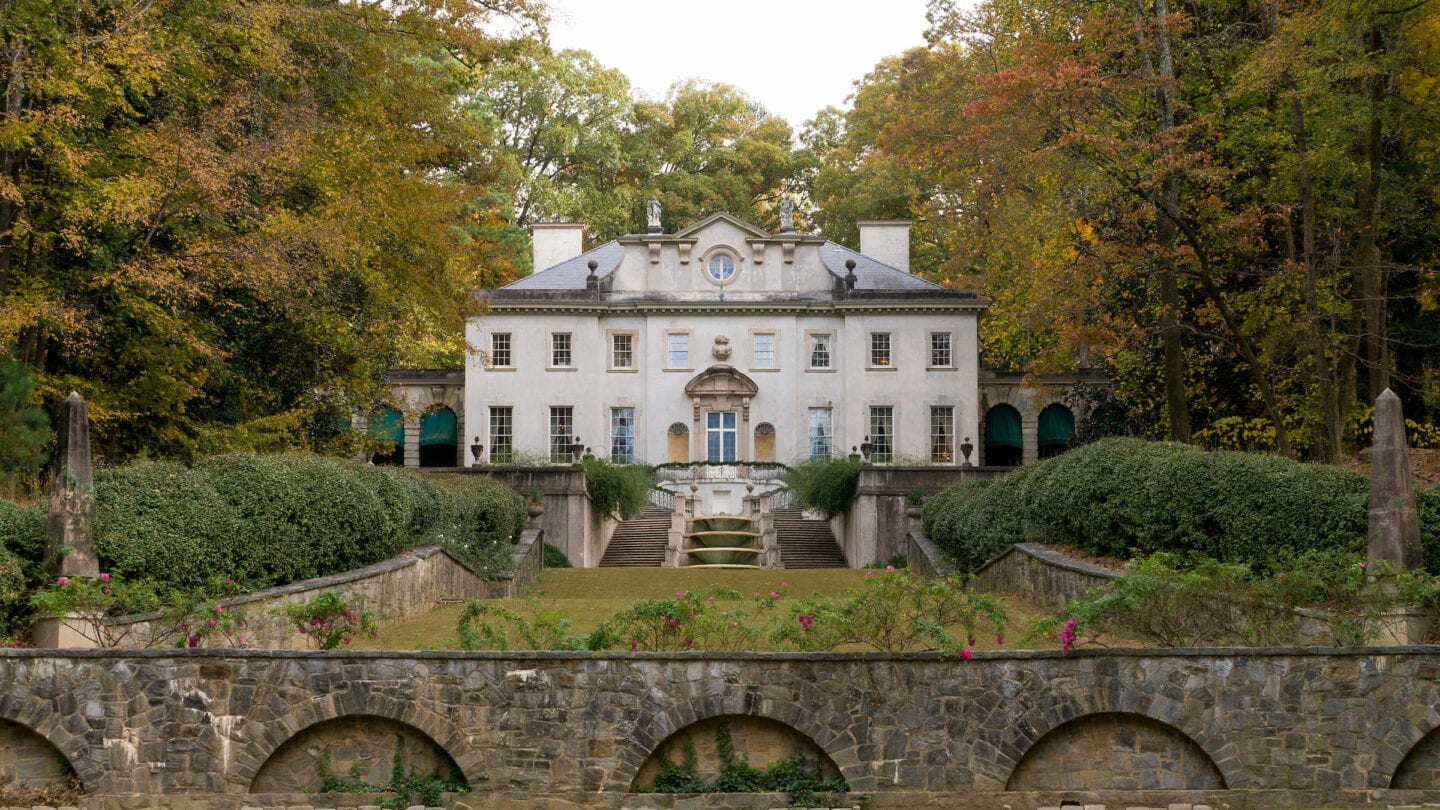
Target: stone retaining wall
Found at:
397, 589
1040, 575
1244, 727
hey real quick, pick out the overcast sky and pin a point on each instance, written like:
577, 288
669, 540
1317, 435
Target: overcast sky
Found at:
794, 56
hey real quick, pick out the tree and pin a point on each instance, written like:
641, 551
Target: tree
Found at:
219, 212
24, 428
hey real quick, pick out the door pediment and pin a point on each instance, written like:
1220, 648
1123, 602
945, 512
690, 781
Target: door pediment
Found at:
721, 380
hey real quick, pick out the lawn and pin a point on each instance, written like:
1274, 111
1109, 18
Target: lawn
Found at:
589, 596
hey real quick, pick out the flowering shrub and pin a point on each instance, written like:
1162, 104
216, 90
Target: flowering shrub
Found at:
328, 621
1163, 600
165, 616
895, 612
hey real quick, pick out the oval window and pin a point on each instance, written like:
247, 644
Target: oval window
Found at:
722, 267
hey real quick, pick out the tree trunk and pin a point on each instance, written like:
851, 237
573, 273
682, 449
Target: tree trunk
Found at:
1177, 404
1373, 286
1332, 440
14, 97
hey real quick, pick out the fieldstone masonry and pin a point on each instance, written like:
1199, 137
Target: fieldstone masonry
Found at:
1252, 727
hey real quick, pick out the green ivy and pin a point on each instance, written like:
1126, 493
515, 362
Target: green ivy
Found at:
617, 488
792, 775
828, 486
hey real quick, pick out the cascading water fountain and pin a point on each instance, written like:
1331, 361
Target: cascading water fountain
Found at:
721, 541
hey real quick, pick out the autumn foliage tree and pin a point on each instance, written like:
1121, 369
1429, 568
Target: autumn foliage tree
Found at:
1223, 203
219, 214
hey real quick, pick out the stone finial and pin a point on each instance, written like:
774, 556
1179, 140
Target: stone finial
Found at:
70, 532
850, 274
592, 281
1394, 532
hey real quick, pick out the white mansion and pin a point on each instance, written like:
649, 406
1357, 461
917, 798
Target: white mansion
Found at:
722, 342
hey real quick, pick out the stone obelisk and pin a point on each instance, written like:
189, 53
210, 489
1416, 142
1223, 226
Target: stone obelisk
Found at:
1394, 532
70, 533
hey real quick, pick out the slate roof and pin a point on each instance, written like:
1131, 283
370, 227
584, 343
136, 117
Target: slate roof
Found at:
570, 274
870, 275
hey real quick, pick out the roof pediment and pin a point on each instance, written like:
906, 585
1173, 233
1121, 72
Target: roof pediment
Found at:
722, 216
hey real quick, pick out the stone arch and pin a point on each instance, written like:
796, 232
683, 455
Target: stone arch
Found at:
1420, 767
439, 440
263, 739
30, 759
760, 741
1115, 751
830, 731
360, 746
1056, 424
1003, 438
1053, 708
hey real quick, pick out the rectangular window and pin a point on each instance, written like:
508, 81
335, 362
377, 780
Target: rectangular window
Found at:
821, 435
819, 351
942, 433
622, 435
882, 433
560, 349
678, 348
720, 436
500, 349
562, 432
622, 351
764, 350
502, 435
940, 350
880, 349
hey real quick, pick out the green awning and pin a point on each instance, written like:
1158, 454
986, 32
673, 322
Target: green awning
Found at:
1002, 427
1056, 425
438, 427
389, 427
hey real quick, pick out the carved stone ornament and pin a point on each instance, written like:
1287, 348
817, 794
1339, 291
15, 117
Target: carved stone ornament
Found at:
721, 350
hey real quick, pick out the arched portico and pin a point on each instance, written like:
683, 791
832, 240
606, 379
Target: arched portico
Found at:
720, 401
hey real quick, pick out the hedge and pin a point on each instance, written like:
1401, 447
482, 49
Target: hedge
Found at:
276, 519
827, 486
1126, 497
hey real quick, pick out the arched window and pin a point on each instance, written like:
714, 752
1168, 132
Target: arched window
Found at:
439, 443
387, 431
1057, 424
1004, 444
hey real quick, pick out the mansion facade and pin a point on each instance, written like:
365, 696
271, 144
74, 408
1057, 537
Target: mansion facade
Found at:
722, 342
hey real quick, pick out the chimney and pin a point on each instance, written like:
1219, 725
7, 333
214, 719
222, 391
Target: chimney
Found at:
554, 242
886, 240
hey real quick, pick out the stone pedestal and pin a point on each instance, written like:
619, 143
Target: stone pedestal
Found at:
52, 633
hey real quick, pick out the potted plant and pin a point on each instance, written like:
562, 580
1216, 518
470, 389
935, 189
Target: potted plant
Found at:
534, 503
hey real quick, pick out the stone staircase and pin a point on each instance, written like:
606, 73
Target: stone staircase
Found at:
639, 542
806, 543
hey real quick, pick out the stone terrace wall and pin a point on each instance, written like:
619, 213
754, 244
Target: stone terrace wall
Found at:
397, 589
1297, 727
1040, 575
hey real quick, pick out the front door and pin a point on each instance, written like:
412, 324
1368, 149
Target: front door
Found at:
720, 434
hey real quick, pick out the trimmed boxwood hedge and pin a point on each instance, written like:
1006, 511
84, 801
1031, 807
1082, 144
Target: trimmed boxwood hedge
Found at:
1126, 497
275, 519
